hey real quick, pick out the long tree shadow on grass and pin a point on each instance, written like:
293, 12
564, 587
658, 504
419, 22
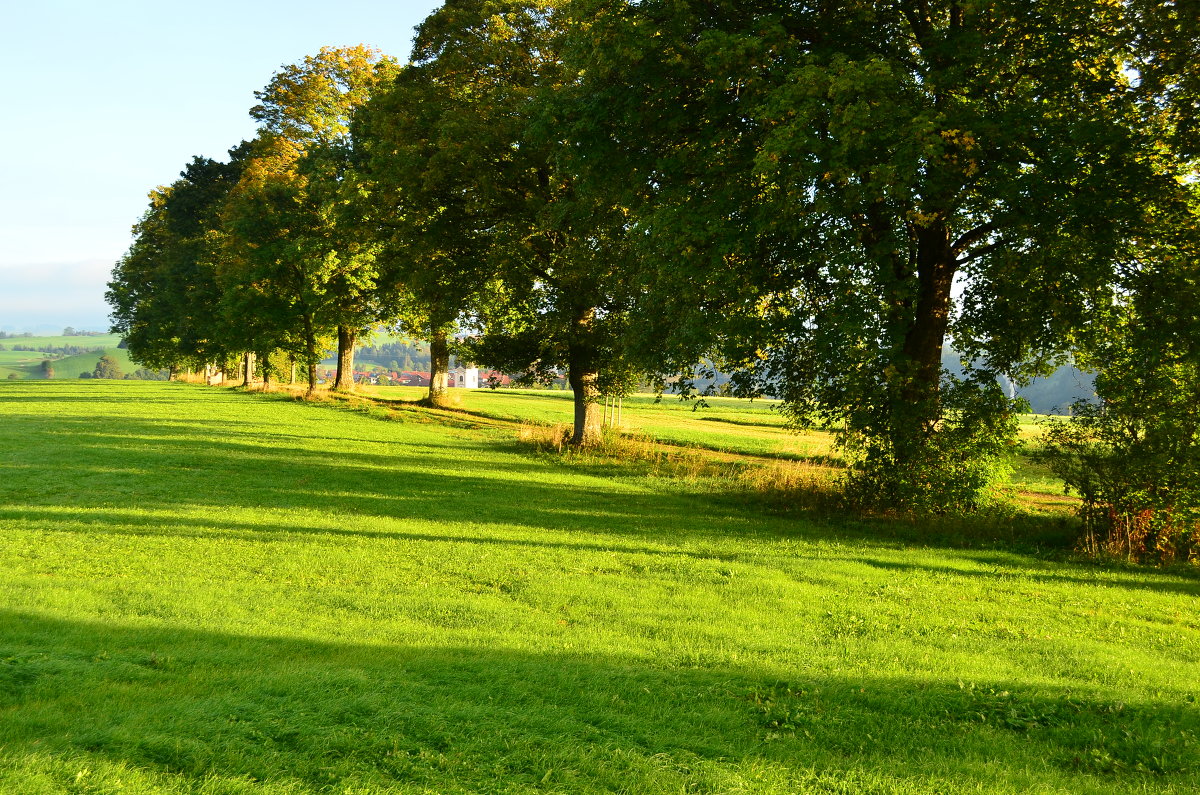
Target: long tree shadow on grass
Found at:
139, 465
161, 704
180, 462
1184, 581
106, 521
90, 391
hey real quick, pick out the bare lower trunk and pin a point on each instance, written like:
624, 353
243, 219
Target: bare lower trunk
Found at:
439, 367
247, 369
310, 351
344, 382
292, 375
582, 376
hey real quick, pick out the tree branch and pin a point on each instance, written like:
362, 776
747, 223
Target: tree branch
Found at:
983, 252
968, 239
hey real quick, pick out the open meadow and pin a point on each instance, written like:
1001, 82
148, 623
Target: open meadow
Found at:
751, 428
27, 364
213, 591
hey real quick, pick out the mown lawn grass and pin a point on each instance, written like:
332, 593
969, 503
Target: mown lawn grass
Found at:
217, 592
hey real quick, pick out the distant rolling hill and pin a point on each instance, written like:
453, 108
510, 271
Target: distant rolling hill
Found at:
1051, 395
23, 364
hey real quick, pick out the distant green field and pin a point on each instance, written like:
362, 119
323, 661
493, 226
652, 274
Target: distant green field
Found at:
98, 341
209, 591
72, 366
27, 364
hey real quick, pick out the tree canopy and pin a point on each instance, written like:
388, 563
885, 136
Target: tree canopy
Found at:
484, 208
830, 193
819, 198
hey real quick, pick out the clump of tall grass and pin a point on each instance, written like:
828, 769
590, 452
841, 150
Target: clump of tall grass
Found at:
781, 483
798, 488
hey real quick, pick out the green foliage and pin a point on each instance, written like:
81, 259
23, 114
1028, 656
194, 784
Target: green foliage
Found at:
143, 374
295, 270
164, 293
1135, 459
1136, 465
810, 182
949, 467
107, 367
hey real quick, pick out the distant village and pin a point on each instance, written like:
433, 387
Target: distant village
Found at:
462, 377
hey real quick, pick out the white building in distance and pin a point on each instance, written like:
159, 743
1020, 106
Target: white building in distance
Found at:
465, 377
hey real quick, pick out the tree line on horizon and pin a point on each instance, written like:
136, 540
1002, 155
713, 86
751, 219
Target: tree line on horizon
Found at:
814, 197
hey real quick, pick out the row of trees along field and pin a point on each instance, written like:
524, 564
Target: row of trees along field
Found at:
815, 196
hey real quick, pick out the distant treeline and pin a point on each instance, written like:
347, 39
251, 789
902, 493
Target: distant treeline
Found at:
397, 356
67, 332
60, 350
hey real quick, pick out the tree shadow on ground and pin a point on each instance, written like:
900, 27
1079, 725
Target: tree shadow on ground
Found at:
1009, 568
196, 707
183, 464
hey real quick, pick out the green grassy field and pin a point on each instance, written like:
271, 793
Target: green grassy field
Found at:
83, 341
729, 425
208, 591
722, 424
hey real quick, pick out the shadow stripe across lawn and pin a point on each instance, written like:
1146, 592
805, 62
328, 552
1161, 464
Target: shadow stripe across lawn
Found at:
217, 592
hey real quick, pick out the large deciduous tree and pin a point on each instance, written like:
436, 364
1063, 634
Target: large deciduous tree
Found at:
292, 255
415, 206
164, 292
833, 191
483, 195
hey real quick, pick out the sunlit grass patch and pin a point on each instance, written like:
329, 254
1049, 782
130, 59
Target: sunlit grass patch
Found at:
209, 591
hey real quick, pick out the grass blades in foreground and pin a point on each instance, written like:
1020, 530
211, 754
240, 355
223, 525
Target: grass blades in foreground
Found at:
207, 591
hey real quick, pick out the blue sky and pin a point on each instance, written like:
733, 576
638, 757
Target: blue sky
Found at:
103, 101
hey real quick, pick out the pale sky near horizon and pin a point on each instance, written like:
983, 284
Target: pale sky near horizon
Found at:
103, 101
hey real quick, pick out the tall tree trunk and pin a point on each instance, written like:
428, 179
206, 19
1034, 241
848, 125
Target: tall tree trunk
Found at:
310, 352
587, 410
916, 404
344, 382
925, 337
247, 369
439, 366
582, 375
292, 367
